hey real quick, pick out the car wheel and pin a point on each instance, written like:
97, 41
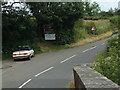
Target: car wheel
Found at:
33, 55
14, 59
29, 58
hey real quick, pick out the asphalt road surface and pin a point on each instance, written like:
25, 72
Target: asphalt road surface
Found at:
50, 70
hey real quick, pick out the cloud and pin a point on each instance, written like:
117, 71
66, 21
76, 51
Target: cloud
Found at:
105, 5
105, 0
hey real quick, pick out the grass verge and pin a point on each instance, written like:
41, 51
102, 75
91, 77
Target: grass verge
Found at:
92, 39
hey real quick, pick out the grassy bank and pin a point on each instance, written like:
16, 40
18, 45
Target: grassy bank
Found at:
83, 30
91, 39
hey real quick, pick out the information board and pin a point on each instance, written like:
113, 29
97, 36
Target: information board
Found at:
49, 36
49, 33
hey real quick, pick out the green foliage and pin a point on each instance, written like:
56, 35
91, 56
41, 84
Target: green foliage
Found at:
88, 27
64, 38
91, 9
82, 29
113, 43
91, 18
108, 63
103, 27
110, 13
95, 17
95, 8
79, 30
59, 47
21, 27
17, 29
61, 16
115, 21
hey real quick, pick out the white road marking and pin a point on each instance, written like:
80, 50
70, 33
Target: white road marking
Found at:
44, 71
67, 59
102, 43
93, 47
89, 49
85, 50
25, 83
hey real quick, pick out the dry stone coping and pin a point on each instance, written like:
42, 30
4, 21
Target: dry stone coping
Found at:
92, 79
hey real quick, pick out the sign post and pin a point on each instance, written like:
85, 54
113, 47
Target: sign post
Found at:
49, 33
93, 29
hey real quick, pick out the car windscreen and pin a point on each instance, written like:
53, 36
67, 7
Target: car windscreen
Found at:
23, 48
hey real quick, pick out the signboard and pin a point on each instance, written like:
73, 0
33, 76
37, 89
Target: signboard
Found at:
49, 33
93, 28
49, 36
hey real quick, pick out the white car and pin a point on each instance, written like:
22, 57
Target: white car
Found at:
23, 52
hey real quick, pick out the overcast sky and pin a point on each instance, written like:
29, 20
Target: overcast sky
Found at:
104, 4
107, 4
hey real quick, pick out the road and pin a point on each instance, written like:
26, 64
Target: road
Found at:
50, 70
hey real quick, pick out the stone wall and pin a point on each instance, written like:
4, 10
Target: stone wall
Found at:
86, 78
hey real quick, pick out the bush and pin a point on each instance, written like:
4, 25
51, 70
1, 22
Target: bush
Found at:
91, 17
79, 30
115, 21
18, 31
65, 37
109, 61
95, 17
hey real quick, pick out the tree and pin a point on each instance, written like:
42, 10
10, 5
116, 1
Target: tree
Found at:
111, 12
87, 9
91, 9
60, 15
117, 11
17, 27
95, 9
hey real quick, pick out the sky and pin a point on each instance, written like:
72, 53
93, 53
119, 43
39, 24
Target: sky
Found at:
107, 4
